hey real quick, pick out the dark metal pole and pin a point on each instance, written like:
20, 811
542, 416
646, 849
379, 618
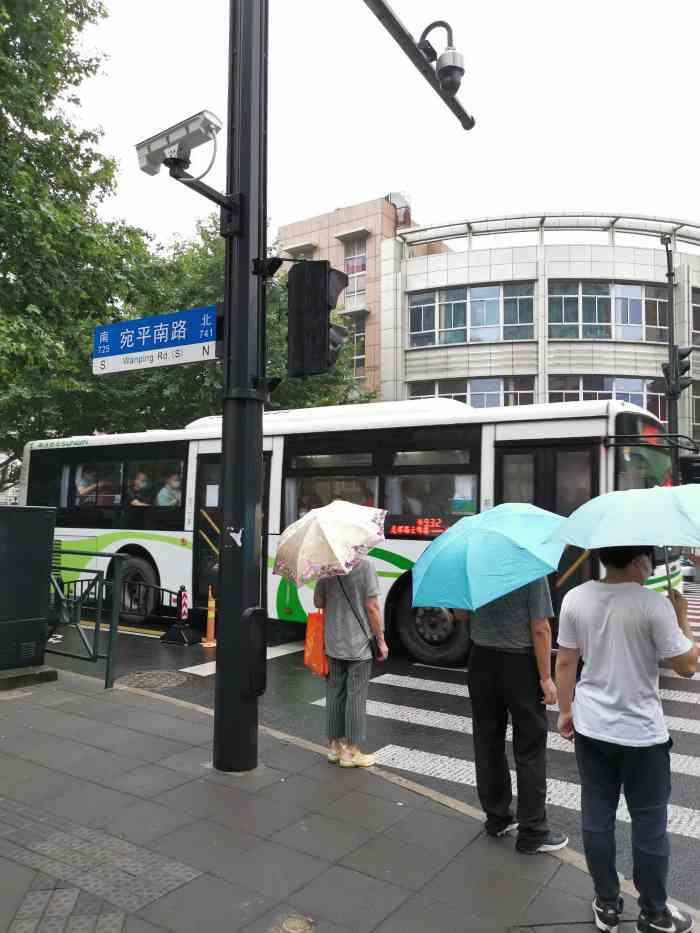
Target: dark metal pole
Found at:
236, 714
407, 43
671, 388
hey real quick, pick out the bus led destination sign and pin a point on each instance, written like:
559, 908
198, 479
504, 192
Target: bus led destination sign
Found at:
162, 340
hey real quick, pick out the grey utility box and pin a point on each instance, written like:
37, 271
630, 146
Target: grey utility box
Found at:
26, 541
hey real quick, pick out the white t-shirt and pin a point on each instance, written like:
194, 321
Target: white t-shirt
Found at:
622, 631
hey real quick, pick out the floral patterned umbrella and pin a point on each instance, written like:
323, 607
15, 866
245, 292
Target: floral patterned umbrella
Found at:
328, 542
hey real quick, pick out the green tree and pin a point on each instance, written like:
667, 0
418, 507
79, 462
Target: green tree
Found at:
62, 269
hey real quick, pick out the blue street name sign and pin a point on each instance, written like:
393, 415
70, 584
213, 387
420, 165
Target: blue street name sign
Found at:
163, 340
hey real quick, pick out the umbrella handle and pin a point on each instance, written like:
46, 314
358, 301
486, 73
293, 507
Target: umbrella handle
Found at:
572, 569
668, 572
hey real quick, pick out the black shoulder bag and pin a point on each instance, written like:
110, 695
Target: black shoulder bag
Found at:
371, 638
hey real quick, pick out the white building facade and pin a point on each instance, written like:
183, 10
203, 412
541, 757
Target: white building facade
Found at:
543, 321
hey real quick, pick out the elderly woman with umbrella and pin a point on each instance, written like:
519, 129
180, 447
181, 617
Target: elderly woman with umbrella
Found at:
330, 545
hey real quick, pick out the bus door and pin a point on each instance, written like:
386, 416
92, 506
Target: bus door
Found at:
558, 477
207, 522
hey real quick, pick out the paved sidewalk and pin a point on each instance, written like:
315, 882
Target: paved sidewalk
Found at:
113, 821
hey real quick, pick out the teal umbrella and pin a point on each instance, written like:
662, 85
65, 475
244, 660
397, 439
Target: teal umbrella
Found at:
486, 556
662, 516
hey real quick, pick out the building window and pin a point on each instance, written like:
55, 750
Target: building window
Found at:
562, 304
696, 410
481, 314
421, 312
485, 313
696, 316
519, 390
358, 348
485, 393
356, 271
450, 388
647, 393
583, 310
424, 389
518, 311
656, 398
628, 312
656, 312
564, 389
595, 308
480, 393
453, 315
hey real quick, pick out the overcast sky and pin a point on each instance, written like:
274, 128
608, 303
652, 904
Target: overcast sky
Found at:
579, 106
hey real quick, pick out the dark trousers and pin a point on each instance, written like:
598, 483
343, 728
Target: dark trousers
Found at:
645, 775
500, 683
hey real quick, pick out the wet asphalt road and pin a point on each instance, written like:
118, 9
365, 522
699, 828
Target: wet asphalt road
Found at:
419, 725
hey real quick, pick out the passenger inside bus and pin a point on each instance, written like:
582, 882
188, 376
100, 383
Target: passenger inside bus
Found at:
140, 494
85, 485
170, 495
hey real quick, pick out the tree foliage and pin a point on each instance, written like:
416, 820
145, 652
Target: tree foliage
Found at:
63, 270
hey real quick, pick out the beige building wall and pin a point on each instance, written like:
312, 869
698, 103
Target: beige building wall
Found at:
327, 236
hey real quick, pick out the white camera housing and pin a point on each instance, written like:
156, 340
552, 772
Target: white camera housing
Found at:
185, 136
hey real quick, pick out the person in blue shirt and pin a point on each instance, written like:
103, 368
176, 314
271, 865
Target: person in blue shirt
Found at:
170, 494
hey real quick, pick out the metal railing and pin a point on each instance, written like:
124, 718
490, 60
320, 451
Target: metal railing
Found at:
68, 600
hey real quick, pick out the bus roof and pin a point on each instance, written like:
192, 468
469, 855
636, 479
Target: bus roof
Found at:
372, 415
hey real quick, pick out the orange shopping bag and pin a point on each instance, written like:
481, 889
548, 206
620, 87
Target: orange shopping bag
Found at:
314, 645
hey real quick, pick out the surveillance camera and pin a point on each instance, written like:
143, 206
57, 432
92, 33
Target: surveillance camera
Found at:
177, 141
450, 68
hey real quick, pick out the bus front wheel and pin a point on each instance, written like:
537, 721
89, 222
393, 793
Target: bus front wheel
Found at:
431, 635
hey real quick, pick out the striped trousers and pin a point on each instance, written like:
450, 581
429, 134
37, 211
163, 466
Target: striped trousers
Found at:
346, 699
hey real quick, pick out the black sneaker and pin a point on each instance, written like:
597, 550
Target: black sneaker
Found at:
502, 832
607, 918
551, 842
670, 920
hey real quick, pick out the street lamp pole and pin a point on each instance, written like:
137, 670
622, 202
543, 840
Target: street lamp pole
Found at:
235, 711
671, 388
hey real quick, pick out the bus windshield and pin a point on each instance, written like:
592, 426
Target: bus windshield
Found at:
644, 462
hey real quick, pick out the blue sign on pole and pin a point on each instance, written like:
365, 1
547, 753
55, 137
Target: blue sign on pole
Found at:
163, 340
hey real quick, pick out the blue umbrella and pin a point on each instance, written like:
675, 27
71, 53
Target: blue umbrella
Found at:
662, 516
486, 556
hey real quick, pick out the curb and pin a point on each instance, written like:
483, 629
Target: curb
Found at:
567, 856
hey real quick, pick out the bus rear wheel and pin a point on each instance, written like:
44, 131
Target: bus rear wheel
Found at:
138, 596
431, 635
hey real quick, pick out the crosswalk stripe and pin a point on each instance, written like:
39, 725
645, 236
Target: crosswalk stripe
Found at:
681, 820
450, 722
276, 651
461, 690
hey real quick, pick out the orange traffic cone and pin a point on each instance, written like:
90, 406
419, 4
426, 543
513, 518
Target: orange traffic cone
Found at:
210, 639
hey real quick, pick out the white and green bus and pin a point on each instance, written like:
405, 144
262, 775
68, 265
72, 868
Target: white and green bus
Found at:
155, 495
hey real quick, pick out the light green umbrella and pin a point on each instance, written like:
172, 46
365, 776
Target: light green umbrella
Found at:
665, 516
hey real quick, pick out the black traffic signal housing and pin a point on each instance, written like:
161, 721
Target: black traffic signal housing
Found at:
683, 361
313, 342
675, 371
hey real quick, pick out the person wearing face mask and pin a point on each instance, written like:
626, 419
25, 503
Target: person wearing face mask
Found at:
623, 632
170, 494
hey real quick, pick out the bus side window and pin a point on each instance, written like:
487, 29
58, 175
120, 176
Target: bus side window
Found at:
98, 484
304, 493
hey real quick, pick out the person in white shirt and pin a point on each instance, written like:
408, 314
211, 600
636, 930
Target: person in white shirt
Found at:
622, 632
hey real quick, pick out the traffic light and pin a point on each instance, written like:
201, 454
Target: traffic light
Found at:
675, 371
313, 342
683, 367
